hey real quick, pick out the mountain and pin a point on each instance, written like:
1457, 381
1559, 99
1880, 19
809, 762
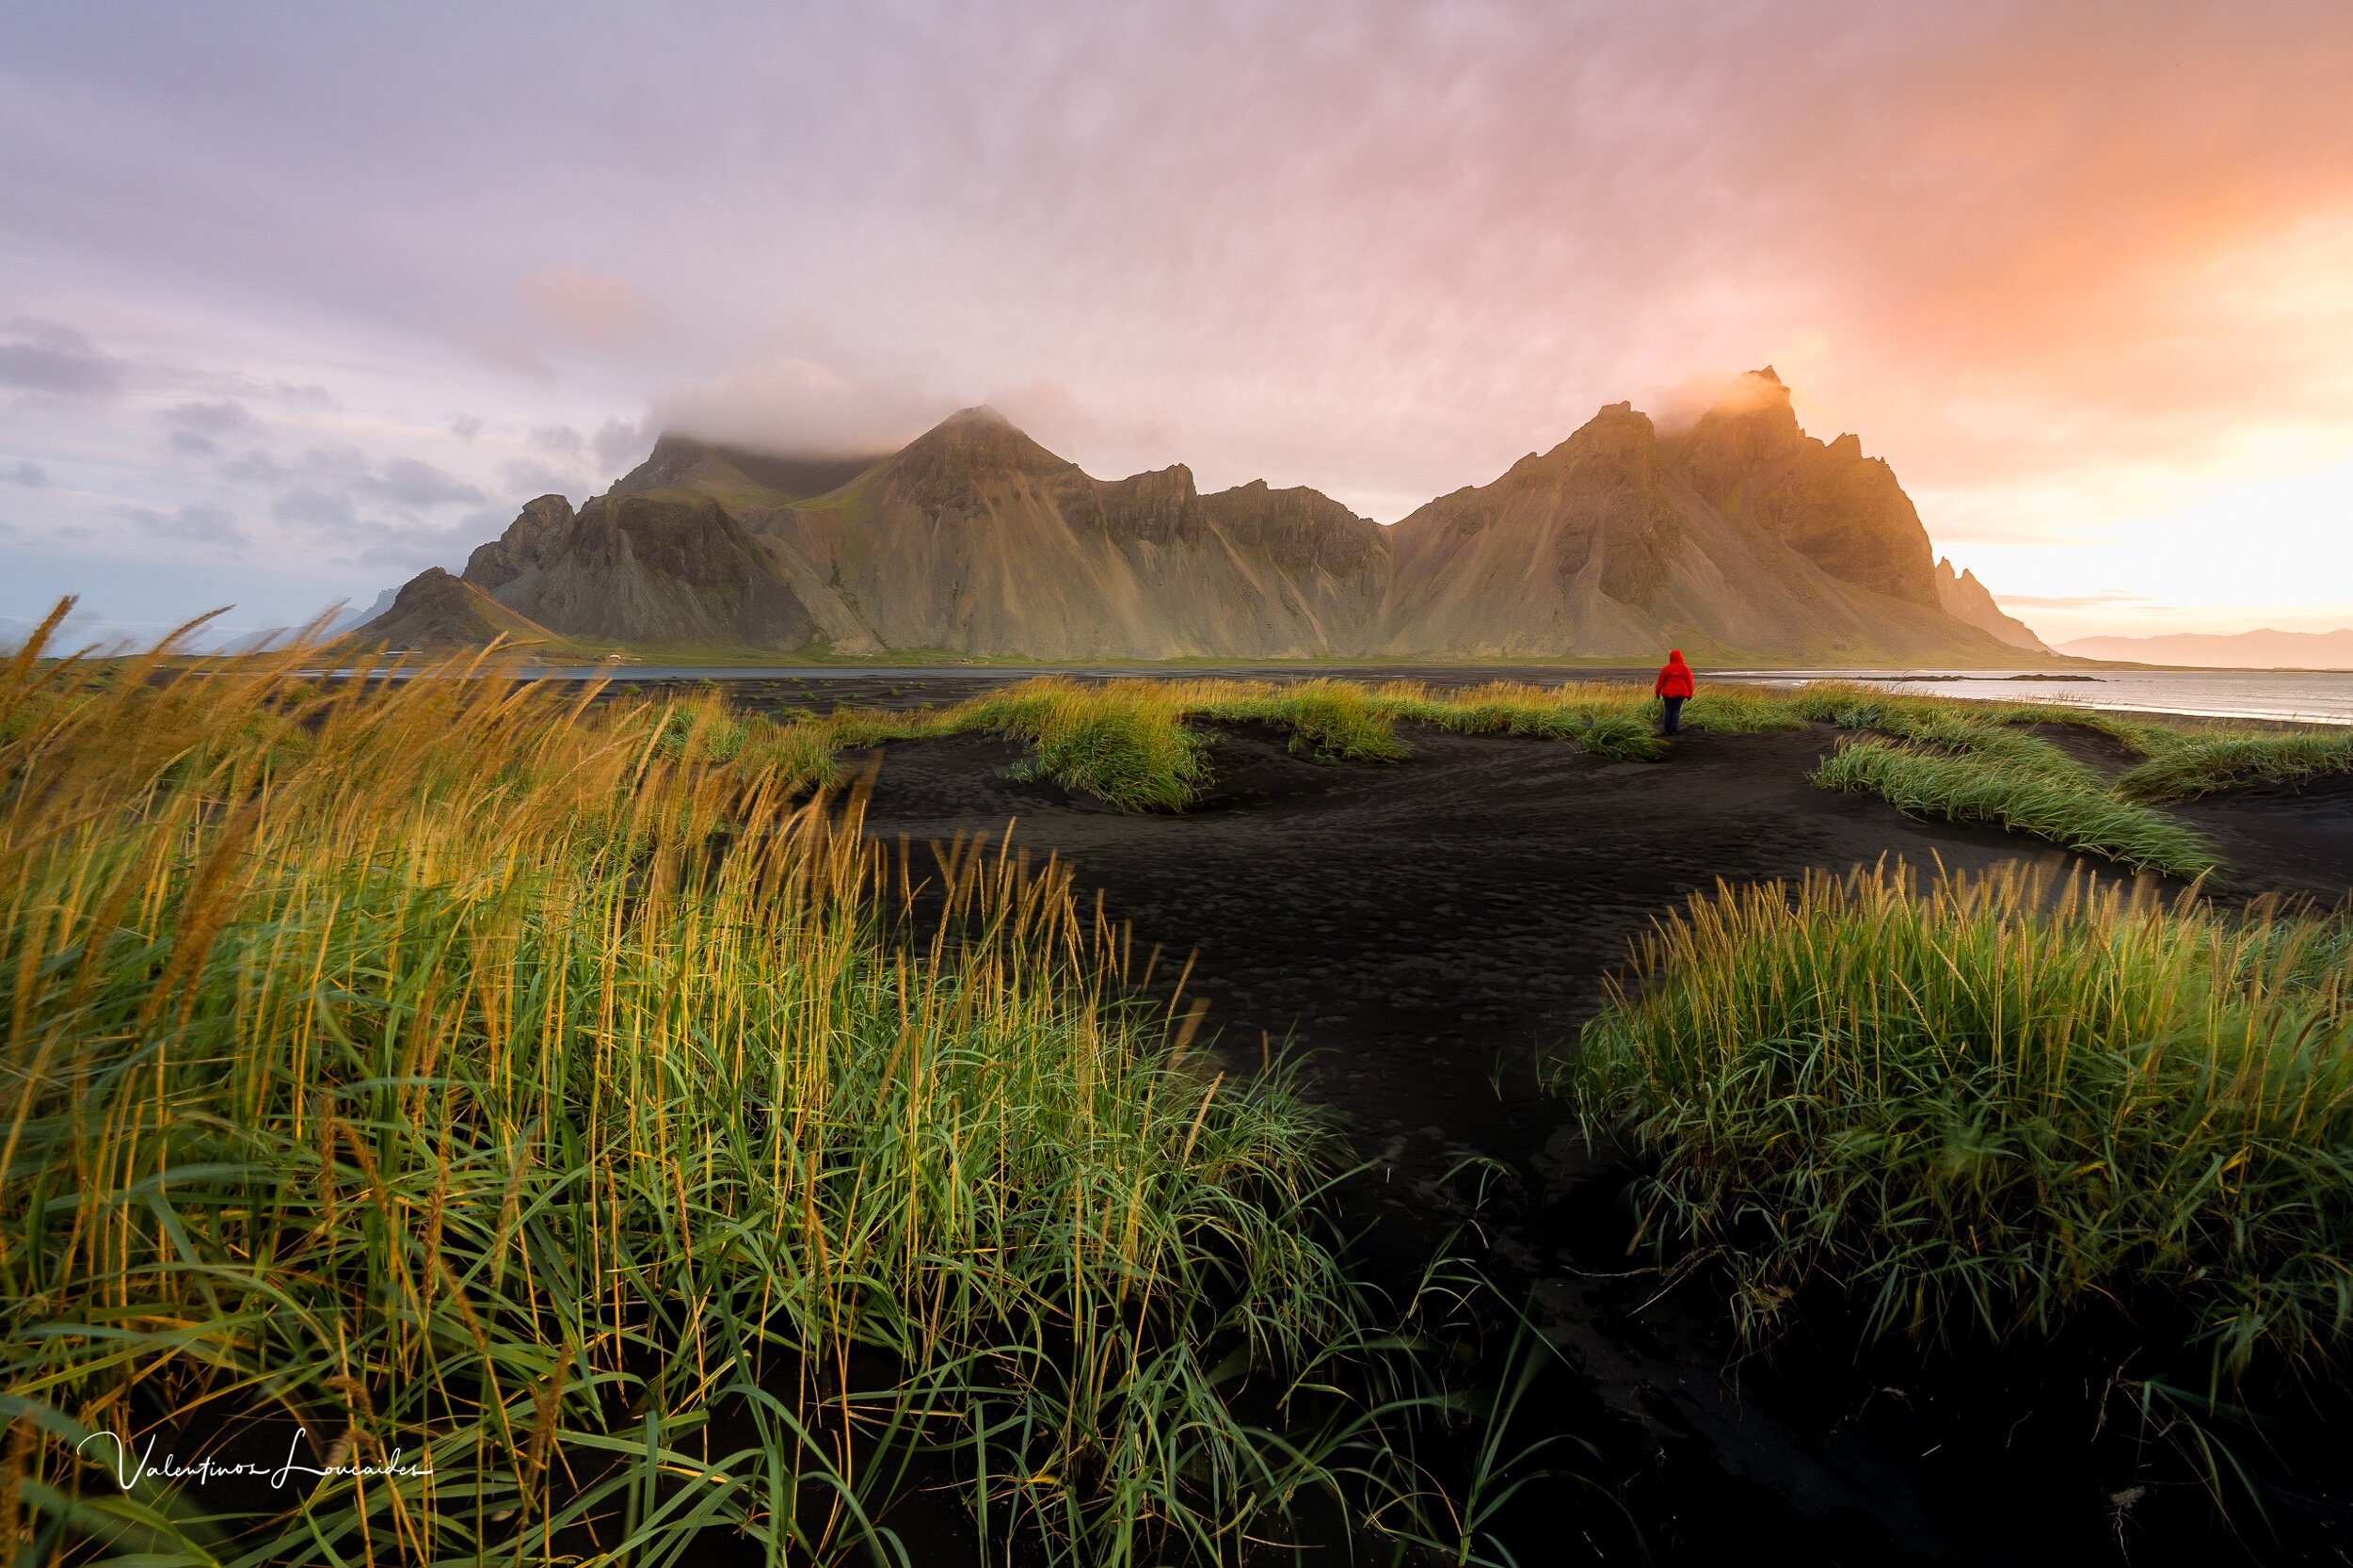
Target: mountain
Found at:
1966, 598
1742, 538
351, 621
701, 465
975, 538
434, 610
666, 564
1748, 461
2255, 650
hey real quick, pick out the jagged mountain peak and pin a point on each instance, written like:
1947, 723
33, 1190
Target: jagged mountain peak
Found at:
1258, 492
1741, 534
1619, 434
1753, 409
1300, 527
1614, 428
981, 427
1749, 458
980, 416
1964, 598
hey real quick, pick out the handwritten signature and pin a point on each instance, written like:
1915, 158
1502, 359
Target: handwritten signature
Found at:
128, 1473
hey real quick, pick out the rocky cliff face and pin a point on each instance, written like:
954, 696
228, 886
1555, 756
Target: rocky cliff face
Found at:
1841, 510
668, 566
1298, 529
539, 535
977, 539
1740, 538
1966, 598
1569, 549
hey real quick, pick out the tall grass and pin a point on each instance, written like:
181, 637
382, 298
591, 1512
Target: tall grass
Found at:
1851, 705
1998, 1105
1610, 721
2179, 762
522, 1096
2052, 803
1331, 721
1975, 762
1126, 742
2186, 766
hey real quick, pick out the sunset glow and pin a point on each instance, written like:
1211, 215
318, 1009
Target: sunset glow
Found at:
296, 302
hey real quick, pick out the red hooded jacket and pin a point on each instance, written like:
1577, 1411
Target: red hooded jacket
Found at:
1675, 677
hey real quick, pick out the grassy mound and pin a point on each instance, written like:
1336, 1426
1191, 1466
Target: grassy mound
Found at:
1332, 721
1610, 721
1993, 1106
1975, 762
2056, 803
2182, 767
519, 1100
1125, 743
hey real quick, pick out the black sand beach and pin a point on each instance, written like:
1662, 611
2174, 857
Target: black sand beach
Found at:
1428, 932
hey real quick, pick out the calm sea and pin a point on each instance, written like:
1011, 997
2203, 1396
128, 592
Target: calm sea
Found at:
2314, 697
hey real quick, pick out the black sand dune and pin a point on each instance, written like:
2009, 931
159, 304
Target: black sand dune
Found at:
1427, 930
2296, 840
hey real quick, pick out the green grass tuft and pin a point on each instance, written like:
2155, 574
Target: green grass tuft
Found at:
1332, 721
794, 757
2055, 803
1624, 736
2195, 765
1995, 1105
1124, 743
1740, 710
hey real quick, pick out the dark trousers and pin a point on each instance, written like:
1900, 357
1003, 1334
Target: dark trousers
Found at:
1674, 712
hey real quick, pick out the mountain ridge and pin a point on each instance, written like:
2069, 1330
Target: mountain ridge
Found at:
1741, 536
2262, 649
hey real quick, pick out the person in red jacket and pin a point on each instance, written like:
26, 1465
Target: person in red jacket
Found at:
1673, 685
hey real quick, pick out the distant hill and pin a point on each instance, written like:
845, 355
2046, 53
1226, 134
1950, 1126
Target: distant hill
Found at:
2256, 650
1742, 537
351, 621
434, 610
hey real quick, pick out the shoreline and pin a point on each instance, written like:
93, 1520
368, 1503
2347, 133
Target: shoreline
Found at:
955, 682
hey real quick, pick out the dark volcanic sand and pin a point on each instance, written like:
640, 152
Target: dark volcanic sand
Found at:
1428, 929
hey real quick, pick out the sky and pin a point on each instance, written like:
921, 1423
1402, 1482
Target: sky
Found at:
297, 299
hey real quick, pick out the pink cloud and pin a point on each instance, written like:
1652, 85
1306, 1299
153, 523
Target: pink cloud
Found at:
586, 307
